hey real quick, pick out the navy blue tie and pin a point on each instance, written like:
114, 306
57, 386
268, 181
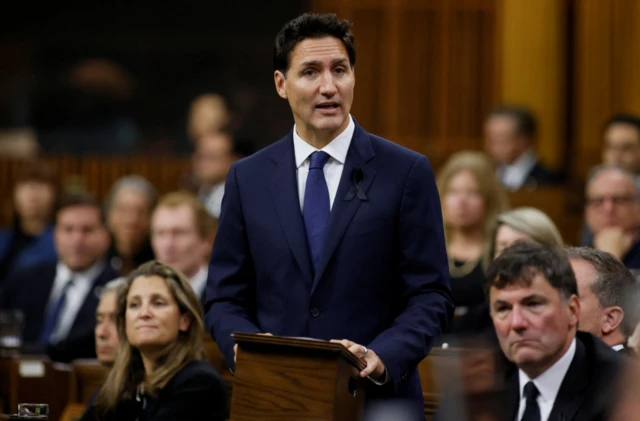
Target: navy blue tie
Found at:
316, 208
53, 315
532, 410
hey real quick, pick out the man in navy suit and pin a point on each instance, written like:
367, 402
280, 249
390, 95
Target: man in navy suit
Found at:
59, 298
332, 232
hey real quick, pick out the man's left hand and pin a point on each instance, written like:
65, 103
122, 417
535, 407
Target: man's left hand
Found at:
375, 367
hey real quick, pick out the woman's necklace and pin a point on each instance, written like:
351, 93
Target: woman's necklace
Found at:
464, 269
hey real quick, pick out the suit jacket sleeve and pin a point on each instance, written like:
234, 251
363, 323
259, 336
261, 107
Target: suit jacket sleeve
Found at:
230, 288
424, 274
198, 397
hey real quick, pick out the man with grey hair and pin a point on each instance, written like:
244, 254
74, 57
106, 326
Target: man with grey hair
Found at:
612, 213
106, 331
608, 294
128, 208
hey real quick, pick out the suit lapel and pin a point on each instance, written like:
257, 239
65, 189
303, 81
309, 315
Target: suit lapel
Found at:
345, 205
571, 395
284, 189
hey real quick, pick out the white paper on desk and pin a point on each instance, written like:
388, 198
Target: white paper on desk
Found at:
31, 369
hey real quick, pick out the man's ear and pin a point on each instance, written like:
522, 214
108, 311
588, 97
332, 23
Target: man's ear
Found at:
281, 83
573, 306
611, 319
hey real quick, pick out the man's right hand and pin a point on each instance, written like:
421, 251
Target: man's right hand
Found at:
614, 240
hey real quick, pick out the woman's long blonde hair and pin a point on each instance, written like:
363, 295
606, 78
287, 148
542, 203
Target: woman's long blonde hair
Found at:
128, 371
530, 221
494, 195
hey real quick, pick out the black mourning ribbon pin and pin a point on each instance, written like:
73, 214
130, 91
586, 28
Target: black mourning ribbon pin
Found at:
357, 175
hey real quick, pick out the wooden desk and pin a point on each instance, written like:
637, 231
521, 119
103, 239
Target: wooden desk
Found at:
87, 377
37, 380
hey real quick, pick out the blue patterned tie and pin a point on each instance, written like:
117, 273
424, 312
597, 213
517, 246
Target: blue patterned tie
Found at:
53, 315
316, 208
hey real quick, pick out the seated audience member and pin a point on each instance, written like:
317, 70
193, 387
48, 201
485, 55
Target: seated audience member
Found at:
608, 296
562, 374
182, 233
129, 205
59, 298
160, 373
106, 333
509, 134
612, 213
622, 148
472, 198
215, 152
30, 239
523, 223
622, 143
208, 113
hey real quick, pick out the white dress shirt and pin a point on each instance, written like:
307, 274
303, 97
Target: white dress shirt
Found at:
76, 295
211, 197
514, 176
337, 150
548, 384
618, 347
199, 281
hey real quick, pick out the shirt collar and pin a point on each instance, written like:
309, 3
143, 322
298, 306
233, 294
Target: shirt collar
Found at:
337, 148
618, 347
90, 274
549, 382
525, 162
199, 280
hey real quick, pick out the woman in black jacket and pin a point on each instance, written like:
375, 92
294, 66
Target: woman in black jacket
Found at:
160, 374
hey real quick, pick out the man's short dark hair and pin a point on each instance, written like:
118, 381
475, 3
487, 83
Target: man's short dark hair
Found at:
70, 200
525, 121
614, 284
629, 119
311, 25
524, 260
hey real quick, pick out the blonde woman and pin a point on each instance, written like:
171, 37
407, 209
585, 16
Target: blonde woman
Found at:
524, 223
160, 374
472, 197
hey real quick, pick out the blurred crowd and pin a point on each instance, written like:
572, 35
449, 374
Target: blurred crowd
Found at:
63, 251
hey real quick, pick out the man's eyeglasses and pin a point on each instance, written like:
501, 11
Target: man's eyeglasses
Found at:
598, 201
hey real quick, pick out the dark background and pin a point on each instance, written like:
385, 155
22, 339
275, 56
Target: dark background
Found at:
171, 52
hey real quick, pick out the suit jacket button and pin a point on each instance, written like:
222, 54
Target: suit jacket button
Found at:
315, 312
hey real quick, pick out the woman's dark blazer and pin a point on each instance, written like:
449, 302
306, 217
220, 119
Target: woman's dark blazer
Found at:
196, 393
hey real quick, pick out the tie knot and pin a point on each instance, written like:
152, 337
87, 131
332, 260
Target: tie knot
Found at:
318, 159
531, 391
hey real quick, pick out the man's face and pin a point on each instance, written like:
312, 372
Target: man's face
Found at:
622, 146
106, 331
129, 216
80, 237
501, 140
535, 326
213, 158
319, 86
34, 199
612, 202
176, 240
590, 309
